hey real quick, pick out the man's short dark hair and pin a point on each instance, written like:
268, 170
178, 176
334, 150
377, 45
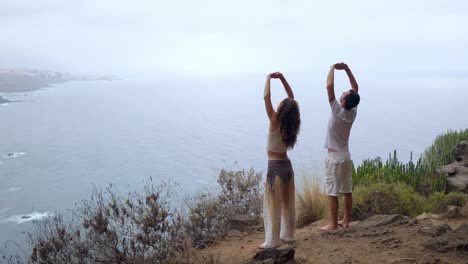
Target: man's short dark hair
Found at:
352, 99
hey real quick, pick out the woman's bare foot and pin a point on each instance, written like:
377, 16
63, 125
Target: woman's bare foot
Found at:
264, 246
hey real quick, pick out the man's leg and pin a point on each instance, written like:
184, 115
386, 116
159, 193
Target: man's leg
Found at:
332, 192
334, 214
347, 190
348, 203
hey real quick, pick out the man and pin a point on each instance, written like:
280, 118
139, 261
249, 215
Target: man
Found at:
338, 161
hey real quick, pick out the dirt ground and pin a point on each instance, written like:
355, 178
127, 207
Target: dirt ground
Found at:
400, 243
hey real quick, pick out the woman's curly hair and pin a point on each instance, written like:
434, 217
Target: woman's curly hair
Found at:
290, 121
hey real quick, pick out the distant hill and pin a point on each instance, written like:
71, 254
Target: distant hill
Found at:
22, 80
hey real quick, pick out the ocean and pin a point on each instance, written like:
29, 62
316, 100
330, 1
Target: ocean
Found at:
60, 142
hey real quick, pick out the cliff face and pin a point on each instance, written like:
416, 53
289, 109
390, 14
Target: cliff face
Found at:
457, 173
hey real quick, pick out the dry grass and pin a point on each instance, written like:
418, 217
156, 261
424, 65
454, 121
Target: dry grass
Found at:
311, 201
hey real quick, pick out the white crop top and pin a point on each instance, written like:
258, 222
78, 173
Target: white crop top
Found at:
274, 142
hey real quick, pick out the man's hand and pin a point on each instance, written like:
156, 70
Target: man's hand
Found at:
341, 66
276, 75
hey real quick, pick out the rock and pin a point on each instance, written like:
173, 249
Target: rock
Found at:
452, 212
243, 222
456, 174
274, 255
464, 210
427, 216
437, 230
372, 227
461, 151
381, 220
456, 240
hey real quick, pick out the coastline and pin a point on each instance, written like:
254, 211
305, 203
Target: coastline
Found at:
17, 81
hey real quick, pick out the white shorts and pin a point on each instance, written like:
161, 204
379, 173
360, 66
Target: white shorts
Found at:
338, 173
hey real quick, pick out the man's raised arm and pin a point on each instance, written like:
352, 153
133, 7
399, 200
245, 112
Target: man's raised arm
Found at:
352, 80
331, 84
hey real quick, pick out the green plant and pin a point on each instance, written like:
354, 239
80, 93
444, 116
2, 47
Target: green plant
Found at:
440, 152
422, 175
422, 178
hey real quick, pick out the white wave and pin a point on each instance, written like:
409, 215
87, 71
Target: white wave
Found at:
19, 219
14, 154
14, 189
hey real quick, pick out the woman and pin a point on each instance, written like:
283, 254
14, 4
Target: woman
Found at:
279, 200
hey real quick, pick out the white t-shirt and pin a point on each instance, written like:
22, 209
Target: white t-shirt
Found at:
339, 127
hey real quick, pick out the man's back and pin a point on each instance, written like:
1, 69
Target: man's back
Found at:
339, 127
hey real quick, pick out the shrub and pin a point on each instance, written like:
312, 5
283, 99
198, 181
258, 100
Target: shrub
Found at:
144, 227
311, 202
240, 192
210, 211
207, 218
438, 202
386, 198
141, 227
399, 198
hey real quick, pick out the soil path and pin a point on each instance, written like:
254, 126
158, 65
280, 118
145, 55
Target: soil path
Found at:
362, 242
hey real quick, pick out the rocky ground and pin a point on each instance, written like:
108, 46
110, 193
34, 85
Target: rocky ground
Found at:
379, 239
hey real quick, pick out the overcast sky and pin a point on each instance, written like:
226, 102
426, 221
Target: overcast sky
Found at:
117, 36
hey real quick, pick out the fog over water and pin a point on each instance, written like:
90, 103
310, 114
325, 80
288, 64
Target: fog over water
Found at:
220, 37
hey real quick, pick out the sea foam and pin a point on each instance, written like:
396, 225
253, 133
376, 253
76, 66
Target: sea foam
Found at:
14, 154
19, 219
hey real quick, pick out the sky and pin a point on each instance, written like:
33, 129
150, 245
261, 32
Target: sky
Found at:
219, 37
